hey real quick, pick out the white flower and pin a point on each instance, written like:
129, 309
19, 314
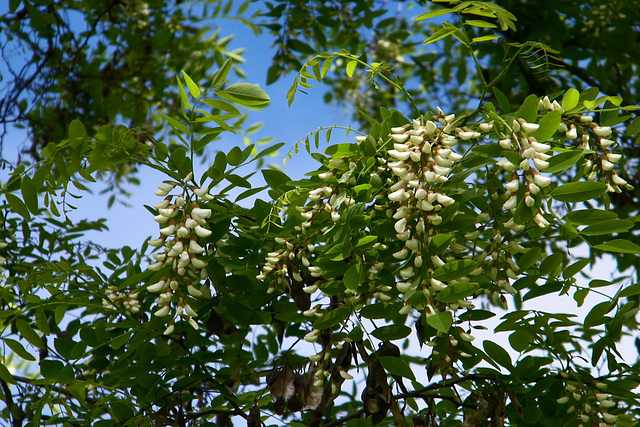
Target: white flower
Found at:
398, 195
540, 164
155, 266
195, 248
513, 185
402, 156
540, 220
198, 263
200, 192
201, 213
157, 287
613, 158
505, 143
401, 254
444, 200
406, 273
162, 205
540, 148
403, 286
182, 232
486, 127
464, 336
541, 181
529, 127
312, 336
572, 133
156, 243
162, 312
167, 231
193, 291
511, 203
602, 131
506, 165
607, 165
169, 329
606, 142
437, 284
617, 180
325, 175
400, 225
399, 137
202, 232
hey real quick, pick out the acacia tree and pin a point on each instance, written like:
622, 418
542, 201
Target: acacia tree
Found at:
354, 296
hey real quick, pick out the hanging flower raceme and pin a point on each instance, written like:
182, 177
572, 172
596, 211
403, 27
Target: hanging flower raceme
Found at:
183, 236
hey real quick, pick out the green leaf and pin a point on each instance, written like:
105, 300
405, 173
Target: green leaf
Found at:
502, 99
366, 241
397, 366
18, 206
481, 24
529, 109
6, 376
245, 94
353, 277
376, 311
520, 340
332, 318
551, 263
457, 291
237, 180
234, 157
19, 349
570, 99
51, 368
597, 313
608, 227
193, 87
161, 150
634, 126
275, 178
222, 105
441, 321
575, 268
391, 332
28, 333
564, 161
440, 34
574, 192
498, 354
589, 216
548, 126
351, 67
455, 269
220, 75
434, 14
630, 290
619, 246
29, 194
269, 150
439, 243
179, 126
77, 130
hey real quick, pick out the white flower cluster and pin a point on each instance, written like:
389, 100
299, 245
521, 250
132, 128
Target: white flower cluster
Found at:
422, 158
128, 300
182, 223
534, 160
591, 403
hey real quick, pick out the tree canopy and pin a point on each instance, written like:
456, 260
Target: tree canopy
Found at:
489, 163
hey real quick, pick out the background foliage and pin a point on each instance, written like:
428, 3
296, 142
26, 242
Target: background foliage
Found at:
488, 166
